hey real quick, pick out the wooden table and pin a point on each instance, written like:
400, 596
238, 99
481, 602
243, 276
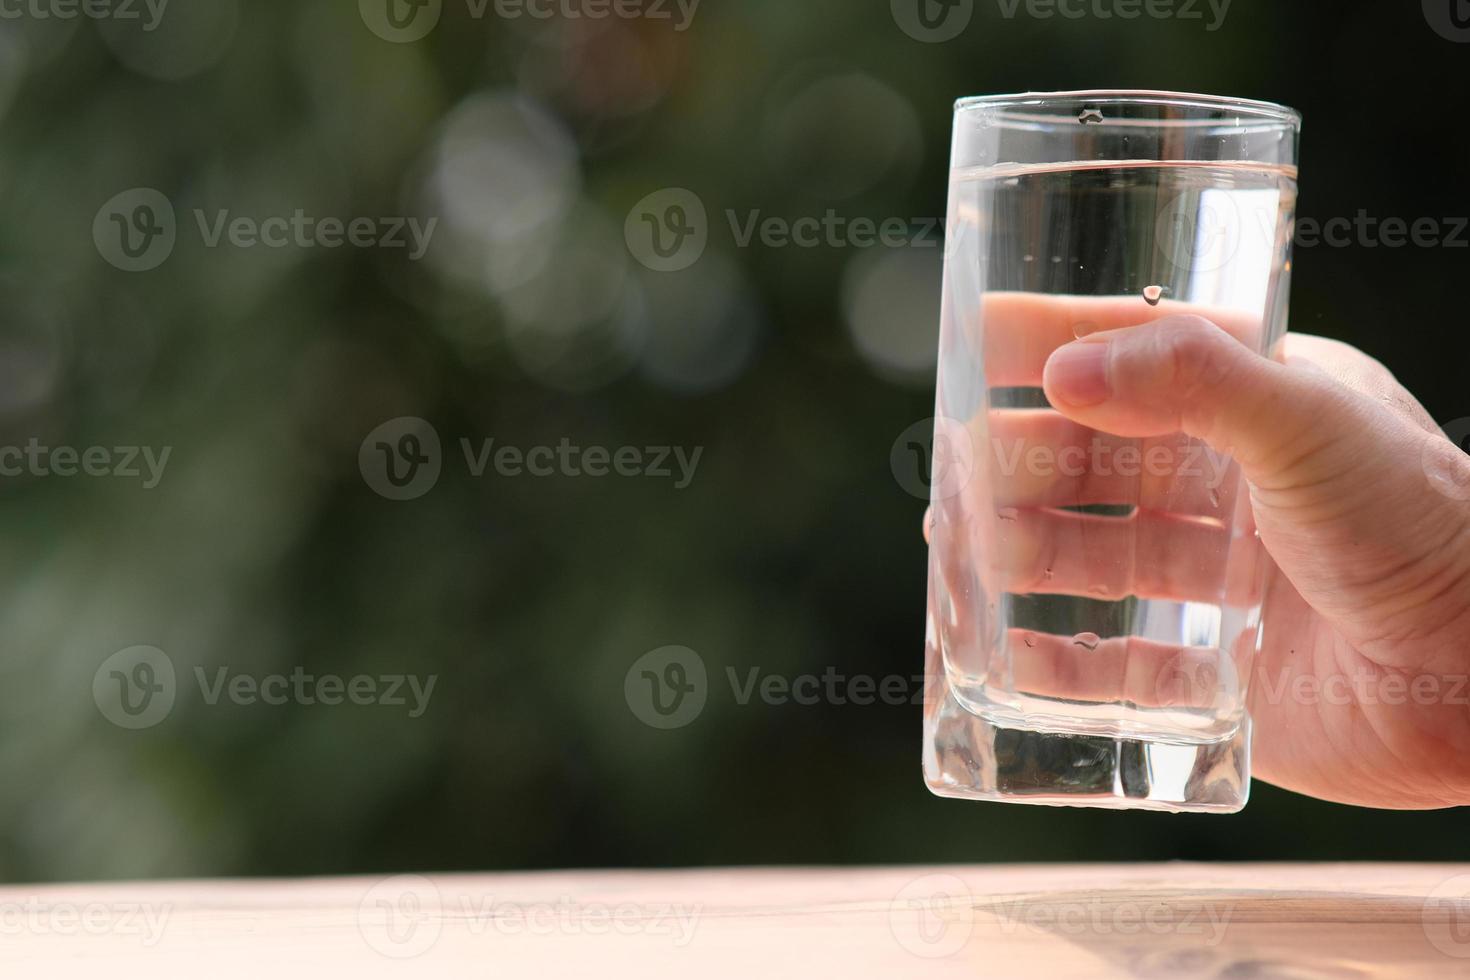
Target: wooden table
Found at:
1037, 922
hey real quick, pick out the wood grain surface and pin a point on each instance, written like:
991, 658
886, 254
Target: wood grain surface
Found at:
1180, 920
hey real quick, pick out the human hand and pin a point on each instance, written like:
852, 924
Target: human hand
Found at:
1361, 502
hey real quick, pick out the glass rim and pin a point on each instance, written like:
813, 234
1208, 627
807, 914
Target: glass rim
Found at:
1258, 111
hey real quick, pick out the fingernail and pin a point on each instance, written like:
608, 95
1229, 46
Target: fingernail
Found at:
1078, 374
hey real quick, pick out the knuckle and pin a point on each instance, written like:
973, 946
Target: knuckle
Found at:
1196, 353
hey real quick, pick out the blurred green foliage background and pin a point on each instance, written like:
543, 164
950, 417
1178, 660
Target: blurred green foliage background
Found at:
793, 550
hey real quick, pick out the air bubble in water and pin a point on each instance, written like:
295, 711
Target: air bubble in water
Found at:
1049, 574
1153, 294
1009, 513
1214, 497
1090, 114
1088, 641
1030, 640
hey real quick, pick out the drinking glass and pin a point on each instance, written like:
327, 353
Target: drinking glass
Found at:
1094, 601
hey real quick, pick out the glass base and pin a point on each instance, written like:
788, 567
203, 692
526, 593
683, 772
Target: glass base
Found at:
967, 757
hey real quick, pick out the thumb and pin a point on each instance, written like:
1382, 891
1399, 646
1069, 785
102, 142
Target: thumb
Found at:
1185, 374
1338, 479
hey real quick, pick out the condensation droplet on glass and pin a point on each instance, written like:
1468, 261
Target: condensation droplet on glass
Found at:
1153, 294
1028, 258
1030, 640
1088, 641
1090, 114
1056, 260
1009, 513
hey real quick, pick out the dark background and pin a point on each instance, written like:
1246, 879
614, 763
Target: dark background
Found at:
793, 550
